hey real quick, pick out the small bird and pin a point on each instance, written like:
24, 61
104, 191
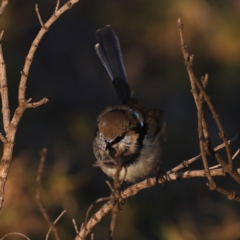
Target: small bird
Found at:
129, 133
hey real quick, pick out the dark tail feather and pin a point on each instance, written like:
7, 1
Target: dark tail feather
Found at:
109, 51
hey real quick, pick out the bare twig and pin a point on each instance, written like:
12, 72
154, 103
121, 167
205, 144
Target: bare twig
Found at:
233, 157
109, 185
147, 183
49, 231
4, 89
186, 163
42, 209
89, 209
235, 154
75, 226
15, 233
3, 5
57, 5
38, 15
37, 104
198, 98
188, 62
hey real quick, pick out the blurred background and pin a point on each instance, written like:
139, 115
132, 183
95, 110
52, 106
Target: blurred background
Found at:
67, 71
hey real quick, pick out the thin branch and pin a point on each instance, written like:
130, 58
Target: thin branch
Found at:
42, 209
147, 183
15, 233
186, 163
38, 15
75, 226
233, 157
3, 5
4, 89
57, 5
37, 104
89, 209
49, 231
235, 154
109, 185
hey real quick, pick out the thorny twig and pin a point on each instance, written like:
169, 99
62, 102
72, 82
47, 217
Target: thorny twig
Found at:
147, 183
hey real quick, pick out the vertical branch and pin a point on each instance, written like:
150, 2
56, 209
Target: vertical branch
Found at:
188, 60
222, 133
4, 89
3, 5
202, 128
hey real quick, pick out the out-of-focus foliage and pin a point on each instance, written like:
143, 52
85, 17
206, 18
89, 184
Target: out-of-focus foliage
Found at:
67, 71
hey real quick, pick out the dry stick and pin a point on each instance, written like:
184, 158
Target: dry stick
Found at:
227, 167
90, 208
3, 5
75, 226
147, 183
186, 163
50, 229
233, 157
42, 209
15, 233
4, 89
57, 5
23, 104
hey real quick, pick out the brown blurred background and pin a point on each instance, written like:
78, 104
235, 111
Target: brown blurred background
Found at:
67, 71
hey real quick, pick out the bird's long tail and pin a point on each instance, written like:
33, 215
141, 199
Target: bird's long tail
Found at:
109, 51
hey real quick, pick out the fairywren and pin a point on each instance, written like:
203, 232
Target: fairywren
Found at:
129, 133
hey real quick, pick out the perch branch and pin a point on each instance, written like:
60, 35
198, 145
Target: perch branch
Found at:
147, 183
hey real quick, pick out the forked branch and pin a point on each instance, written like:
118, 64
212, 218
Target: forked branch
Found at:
10, 126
